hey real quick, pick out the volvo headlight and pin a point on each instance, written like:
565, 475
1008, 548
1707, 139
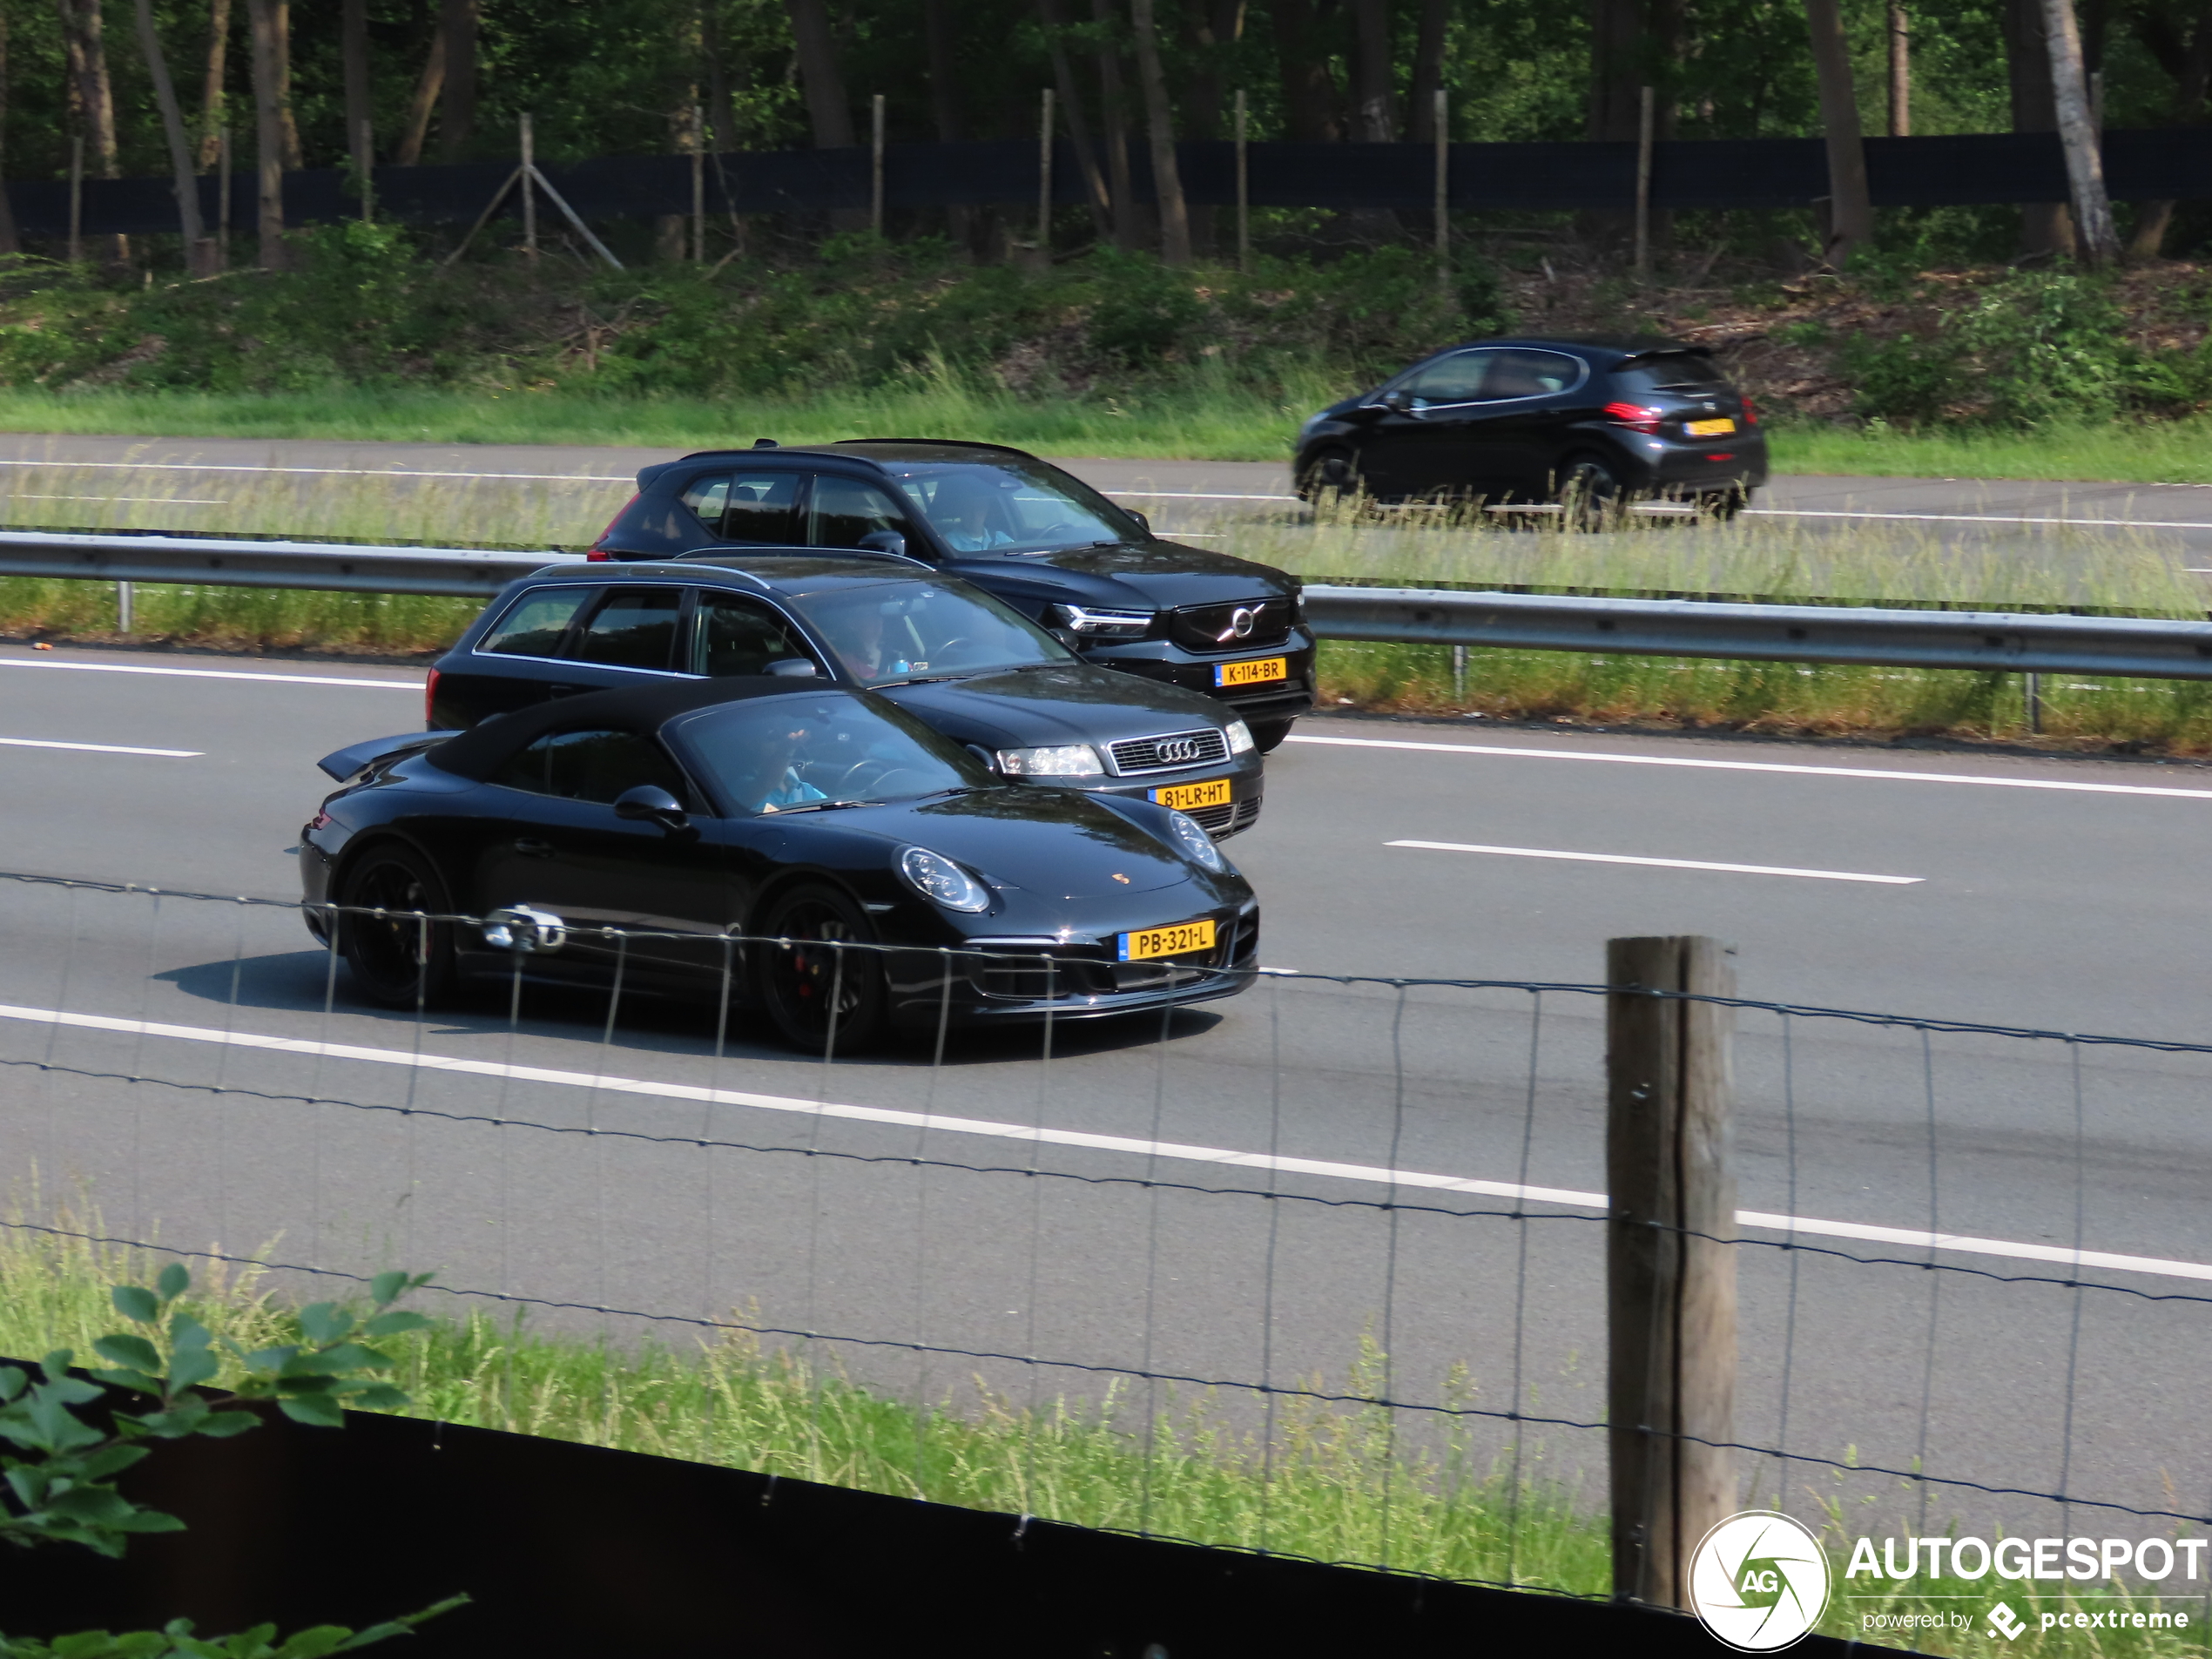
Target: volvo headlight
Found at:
1103, 625
937, 879
1062, 760
1196, 843
1240, 738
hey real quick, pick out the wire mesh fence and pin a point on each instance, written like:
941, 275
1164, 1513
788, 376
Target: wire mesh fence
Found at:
1319, 1271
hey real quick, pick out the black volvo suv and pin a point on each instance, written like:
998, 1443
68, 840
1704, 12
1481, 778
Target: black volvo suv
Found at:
1041, 540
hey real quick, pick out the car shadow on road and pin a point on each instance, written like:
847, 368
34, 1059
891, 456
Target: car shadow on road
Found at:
301, 981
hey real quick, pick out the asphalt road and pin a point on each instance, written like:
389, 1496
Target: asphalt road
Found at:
1200, 499
2051, 894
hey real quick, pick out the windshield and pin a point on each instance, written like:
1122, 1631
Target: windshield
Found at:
906, 631
1014, 506
781, 754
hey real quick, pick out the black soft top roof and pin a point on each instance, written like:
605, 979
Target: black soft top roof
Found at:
481, 751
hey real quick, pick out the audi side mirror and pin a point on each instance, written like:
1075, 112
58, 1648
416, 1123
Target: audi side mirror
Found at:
1142, 522
650, 804
885, 541
793, 668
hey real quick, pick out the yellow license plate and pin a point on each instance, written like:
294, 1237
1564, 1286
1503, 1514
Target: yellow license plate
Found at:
1183, 797
1253, 673
1180, 940
1709, 429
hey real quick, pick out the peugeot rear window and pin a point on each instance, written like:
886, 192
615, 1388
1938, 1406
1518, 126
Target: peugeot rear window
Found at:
1667, 371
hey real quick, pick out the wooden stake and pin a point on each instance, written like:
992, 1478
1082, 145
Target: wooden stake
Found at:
698, 185
365, 165
1644, 124
76, 199
527, 173
1443, 194
875, 169
1044, 178
1670, 1263
1244, 189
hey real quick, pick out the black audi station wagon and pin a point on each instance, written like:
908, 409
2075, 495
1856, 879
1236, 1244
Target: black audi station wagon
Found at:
947, 652
1038, 537
1585, 424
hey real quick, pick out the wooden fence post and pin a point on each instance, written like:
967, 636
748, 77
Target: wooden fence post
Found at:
1670, 1263
1645, 115
875, 165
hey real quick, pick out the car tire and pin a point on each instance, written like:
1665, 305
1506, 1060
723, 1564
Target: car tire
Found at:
1332, 472
397, 959
1589, 494
1268, 735
1726, 505
820, 996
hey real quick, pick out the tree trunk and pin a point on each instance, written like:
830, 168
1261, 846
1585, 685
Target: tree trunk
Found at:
197, 261
457, 108
721, 103
1302, 59
2046, 227
211, 94
1116, 115
2078, 134
2153, 218
353, 52
408, 151
1620, 69
818, 76
1374, 120
1429, 70
85, 45
1900, 40
10, 242
1851, 215
1053, 15
945, 105
268, 130
1211, 25
281, 13
1167, 179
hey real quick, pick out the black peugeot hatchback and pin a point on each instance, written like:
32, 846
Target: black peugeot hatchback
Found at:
1583, 424
1039, 538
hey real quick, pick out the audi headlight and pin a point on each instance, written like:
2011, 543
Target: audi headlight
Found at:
1062, 760
1240, 738
937, 879
1103, 625
1196, 843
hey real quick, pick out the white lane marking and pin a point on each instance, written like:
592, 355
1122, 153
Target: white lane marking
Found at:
100, 748
165, 500
1196, 495
1663, 863
210, 673
1220, 1157
1756, 766
1982, 518
317, 472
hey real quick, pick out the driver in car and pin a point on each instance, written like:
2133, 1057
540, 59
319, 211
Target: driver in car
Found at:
775, 784
964, 511
858, 637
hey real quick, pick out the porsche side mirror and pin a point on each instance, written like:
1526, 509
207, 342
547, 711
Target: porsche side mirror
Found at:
649, 803
1142, 522
990, 761
793, 668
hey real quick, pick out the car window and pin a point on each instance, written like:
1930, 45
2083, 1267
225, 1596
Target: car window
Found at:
536, 623
739, 637
636, 628
1014, 506
1457, 378
898, 631
746, 506
1519, 372
591, 766
776, 753
840, 511
1664, 371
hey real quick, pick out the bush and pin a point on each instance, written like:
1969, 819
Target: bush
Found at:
1905, 380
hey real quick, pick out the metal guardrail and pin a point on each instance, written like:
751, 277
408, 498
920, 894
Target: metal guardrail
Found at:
2146, 648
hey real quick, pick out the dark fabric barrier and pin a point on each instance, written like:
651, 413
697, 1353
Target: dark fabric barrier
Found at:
1963, 169
571, 1552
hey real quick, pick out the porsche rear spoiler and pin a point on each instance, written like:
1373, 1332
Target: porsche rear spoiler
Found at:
342, 763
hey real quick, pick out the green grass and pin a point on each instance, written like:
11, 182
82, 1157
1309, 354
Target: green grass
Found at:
1199, 422
1320, 1487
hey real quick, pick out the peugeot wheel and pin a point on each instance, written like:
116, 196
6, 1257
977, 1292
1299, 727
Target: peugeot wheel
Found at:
824, 995
1332, 473
401, 954
1590, 494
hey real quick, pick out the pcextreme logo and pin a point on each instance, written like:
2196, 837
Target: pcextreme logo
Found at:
1759, 1580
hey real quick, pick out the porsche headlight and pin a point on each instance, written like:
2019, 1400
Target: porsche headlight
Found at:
1195, 844
937, 879
1063, 760
1240, 738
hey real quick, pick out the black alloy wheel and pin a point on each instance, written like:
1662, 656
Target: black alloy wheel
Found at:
403, 957
1332, 472
1590, 494
824, 996
1268, 735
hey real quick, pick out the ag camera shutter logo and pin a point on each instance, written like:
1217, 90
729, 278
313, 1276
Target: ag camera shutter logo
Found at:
1759, 1580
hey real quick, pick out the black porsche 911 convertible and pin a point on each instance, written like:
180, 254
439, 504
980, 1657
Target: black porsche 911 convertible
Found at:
813, 851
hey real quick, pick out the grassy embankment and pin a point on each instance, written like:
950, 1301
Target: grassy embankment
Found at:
2122, 570
1318, 1488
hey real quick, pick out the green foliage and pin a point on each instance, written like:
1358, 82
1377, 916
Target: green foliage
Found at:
176, 1641
61, 1473
1907, 379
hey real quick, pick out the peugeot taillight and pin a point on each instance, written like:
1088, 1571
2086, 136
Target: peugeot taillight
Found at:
430, 702
597, 556
1750, 414
1635, 416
